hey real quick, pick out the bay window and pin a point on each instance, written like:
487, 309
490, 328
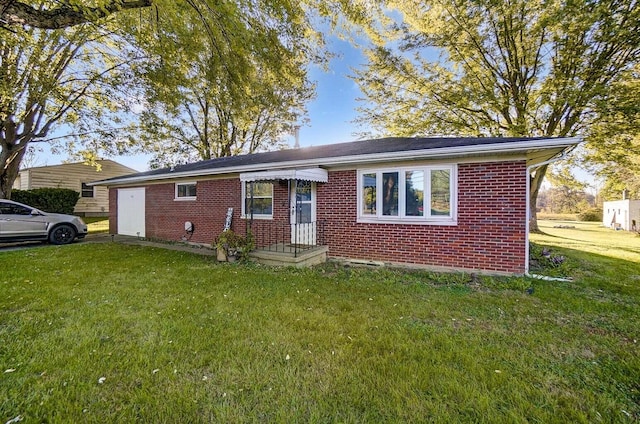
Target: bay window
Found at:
423, 194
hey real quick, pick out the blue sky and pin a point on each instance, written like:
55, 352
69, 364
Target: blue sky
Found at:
330, 114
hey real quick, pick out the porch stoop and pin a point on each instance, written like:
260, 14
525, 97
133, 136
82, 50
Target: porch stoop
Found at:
306, 258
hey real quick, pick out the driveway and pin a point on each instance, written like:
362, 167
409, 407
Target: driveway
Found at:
8, 247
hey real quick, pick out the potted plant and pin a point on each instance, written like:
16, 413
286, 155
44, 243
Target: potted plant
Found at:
227, 245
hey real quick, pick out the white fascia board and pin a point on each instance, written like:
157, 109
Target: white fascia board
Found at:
495, 149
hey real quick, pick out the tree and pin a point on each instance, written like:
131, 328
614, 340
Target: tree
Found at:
79, 75
20, 13
566, 195
613, 150
515, 68
52, 77
624, 180
237, 94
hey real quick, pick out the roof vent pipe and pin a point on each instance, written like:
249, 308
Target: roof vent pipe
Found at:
296, 133
625, 194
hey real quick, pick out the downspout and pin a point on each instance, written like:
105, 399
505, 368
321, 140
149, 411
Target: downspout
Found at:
251, 218
531, 168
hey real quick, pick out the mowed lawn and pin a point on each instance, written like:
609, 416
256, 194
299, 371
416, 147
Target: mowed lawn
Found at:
117, 333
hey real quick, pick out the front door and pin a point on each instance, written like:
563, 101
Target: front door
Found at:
303, 213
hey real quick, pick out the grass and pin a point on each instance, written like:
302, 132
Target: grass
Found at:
590, 237
556, 216
152, 335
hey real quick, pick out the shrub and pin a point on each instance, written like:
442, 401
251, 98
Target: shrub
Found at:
234, 244
55, 200
591, 215
544, 260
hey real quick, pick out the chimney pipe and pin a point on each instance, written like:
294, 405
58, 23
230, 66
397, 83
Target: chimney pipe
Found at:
296, 133
625, 194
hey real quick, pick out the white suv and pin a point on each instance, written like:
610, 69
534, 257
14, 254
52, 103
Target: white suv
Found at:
20, 222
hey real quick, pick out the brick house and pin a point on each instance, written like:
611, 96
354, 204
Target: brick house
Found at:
441, 203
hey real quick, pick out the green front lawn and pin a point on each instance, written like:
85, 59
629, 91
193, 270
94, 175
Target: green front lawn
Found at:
116, 333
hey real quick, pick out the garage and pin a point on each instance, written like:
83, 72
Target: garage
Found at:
131, 211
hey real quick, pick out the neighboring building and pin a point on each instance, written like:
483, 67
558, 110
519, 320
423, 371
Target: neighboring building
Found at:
94, 201
622, 214
440, 203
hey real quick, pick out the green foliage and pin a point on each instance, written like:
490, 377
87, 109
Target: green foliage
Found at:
543, 260
55, 200
53, 78
487, 68
591, 215
564, 200
519, 69
567, 195
234, 244
622, 179
228, 78
613, 149
205, 78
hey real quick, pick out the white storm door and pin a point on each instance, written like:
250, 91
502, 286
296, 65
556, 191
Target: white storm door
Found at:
303, 213
131, 211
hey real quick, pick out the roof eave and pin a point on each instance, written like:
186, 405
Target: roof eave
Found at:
440, 153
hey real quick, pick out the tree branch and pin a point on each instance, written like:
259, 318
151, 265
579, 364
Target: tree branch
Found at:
18, 13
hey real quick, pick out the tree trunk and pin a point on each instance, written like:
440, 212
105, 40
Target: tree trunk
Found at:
535, 183
21, 13
10, 159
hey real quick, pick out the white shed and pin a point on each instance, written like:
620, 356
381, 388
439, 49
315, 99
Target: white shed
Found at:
622, 214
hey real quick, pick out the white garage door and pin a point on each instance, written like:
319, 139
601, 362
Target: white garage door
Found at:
131, 211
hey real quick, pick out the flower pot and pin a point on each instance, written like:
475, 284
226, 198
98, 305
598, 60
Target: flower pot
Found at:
221, 254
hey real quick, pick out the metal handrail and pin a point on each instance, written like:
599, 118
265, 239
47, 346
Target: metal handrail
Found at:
283, 237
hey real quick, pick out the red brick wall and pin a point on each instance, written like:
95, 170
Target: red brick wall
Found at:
165, 217
113, 210
490, 234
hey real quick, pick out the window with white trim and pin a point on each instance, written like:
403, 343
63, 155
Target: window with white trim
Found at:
424, 194
185, 191
257, 198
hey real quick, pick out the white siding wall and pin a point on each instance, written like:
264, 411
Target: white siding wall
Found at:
621, 213
634, 214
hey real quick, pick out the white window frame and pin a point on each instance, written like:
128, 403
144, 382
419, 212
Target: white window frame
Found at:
246, 214
402, 218
185, 198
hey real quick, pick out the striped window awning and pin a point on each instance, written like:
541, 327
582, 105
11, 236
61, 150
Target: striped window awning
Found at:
317, 175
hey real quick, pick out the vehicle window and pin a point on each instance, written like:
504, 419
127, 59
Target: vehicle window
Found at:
11, 209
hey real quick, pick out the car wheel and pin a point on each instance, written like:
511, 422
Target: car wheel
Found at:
62, 234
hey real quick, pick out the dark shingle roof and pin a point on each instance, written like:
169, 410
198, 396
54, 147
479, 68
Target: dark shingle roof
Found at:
328, 151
